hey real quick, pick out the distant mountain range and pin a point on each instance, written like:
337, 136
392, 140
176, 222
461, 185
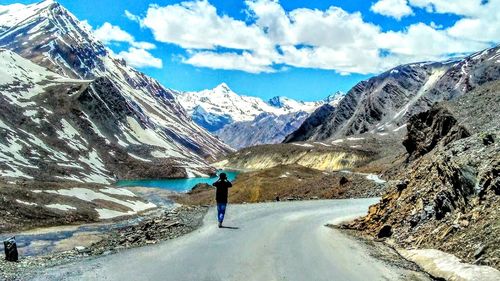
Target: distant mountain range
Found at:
242, 121
71, 111
383, 104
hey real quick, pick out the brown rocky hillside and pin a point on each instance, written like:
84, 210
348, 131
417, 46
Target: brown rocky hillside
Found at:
448, 198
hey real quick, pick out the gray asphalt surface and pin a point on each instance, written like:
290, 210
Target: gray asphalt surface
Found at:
266, 242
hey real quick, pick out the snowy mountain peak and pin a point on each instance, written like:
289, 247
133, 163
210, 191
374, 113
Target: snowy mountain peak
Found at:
335, 98
277, 101
213, 109
222, 88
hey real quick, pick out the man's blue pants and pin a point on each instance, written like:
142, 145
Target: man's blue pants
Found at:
221, 210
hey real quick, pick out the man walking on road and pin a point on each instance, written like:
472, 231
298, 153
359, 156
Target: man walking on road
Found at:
222, 185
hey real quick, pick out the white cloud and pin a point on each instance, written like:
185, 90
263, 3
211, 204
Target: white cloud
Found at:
230, 61
196, 25
109, 33
140, 58
143, 45
457, 7
392, 8
331, 39
132, 17
137, 55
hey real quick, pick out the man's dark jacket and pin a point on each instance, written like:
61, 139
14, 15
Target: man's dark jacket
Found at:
221, 193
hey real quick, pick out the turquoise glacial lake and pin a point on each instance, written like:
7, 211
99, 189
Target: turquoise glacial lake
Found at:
179, 185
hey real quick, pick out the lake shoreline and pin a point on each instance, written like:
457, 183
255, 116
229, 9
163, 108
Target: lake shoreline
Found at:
182, 185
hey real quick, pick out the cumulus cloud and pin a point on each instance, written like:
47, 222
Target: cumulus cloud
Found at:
132, 17
331, 39
457, 7
109, 33
480, 18
137, 54
392, 8
197, 25
140, 58
230, 61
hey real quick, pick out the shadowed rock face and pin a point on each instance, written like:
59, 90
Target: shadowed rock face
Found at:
427, 129
308, 127
387, 101
450, 201
264, 129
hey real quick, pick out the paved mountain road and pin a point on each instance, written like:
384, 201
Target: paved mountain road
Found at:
268, 242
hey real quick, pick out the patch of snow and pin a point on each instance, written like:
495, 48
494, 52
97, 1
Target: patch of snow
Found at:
399, 128
303, 144
354, 139
30, 113
71, 136
105, 214
89, 195
139, 158
60, 207
159, 154
26, 203
337, 141
449, 267
118, 191
4, 126
375, 178
285, 175
97, 166
323, 144
191, 173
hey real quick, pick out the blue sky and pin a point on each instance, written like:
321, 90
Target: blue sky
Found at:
297, 48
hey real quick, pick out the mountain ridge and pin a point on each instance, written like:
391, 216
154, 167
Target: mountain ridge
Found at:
384, 102
144, 120
235, 118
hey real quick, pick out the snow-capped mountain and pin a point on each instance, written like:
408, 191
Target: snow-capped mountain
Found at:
242, 121
384, 103
108, 119
334, 99
291, 105
218, 107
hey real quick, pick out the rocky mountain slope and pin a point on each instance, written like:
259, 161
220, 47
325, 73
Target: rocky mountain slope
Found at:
448, 197
319, 156
242, 121
385, 102
266, 128
83, 115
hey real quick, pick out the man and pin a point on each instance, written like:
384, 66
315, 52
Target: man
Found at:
222, 184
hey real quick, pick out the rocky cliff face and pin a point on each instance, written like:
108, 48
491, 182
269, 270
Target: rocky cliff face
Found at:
264, 129
385, 103
108, 113
448, 197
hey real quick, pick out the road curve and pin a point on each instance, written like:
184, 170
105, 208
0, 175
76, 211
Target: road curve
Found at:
268, 242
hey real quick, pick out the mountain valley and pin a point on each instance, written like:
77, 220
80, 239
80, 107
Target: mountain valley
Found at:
420, 139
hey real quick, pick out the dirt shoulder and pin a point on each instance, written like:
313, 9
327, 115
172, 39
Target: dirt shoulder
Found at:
161, 226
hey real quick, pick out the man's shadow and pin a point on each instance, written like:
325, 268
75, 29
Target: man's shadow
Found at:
230, 227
